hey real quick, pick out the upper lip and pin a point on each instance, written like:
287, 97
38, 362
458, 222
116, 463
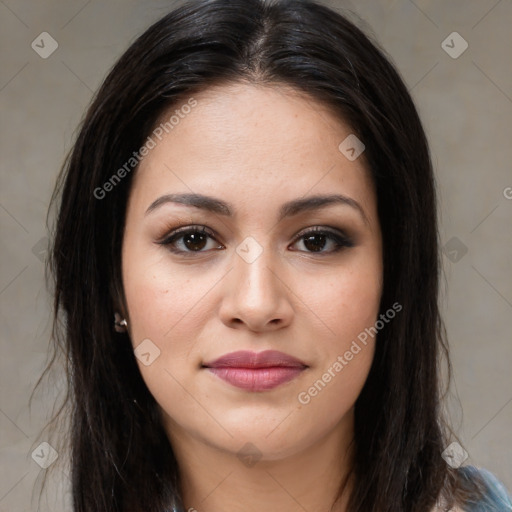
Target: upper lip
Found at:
248, 359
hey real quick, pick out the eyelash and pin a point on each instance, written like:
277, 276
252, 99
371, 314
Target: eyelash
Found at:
342, 241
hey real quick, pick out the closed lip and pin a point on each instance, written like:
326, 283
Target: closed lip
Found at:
248, 359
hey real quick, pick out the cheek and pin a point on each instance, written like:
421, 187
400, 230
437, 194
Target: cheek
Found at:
349, 306
158, 297
334, 385
163, 307
348, 301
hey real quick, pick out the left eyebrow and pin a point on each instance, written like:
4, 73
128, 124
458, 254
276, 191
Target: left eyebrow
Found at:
288, 209
318, 202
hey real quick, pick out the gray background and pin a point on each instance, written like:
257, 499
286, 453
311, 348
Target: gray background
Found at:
466, 106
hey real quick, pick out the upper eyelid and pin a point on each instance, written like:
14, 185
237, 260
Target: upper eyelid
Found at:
200, 228
181, 230
205, 229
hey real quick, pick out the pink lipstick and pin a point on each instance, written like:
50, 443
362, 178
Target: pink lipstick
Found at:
256, 371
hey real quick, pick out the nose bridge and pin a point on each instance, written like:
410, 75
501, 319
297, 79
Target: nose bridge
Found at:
256, 295
253, 263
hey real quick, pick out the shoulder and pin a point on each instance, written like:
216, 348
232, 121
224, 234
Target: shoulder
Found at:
495, 496
490, 495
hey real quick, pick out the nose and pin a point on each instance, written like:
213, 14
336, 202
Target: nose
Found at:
255, 295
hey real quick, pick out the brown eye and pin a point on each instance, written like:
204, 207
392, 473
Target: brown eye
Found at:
316, 240
194, 241
190, 240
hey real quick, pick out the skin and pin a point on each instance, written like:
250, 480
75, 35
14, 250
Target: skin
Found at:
255, 147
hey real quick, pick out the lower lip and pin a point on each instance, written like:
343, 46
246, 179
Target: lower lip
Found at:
257, 379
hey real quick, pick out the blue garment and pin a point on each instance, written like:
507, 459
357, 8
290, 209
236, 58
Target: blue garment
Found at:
495, 499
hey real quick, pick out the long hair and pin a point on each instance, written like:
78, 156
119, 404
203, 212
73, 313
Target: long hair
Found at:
121, 458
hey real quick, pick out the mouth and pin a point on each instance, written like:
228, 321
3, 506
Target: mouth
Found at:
256, 371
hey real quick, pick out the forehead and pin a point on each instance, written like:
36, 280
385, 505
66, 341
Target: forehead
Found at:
251, 141
255, 120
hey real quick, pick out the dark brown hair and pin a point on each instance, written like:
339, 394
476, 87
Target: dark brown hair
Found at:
121, 459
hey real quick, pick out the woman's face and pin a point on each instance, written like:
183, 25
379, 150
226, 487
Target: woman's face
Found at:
244, 166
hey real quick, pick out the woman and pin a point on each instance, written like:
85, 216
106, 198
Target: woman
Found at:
246, 259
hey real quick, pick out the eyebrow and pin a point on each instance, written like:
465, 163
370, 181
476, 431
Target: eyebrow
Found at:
289, 209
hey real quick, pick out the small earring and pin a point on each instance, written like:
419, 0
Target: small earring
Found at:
120, 324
